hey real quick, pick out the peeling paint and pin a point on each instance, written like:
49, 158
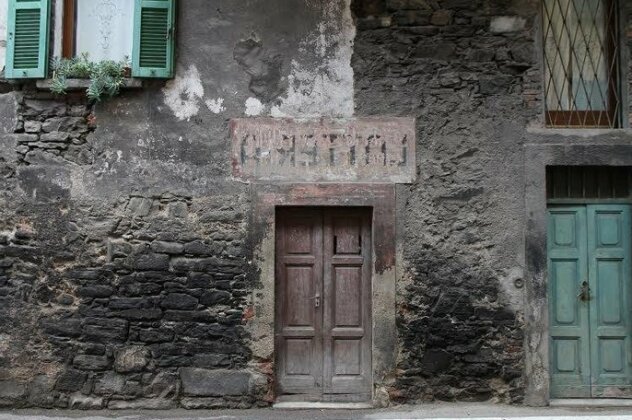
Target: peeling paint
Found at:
321, 80
216, 105
254, 107
183, 94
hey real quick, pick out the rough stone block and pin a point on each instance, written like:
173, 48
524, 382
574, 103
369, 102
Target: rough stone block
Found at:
8, 112
40, 392
191, 264
95, 291
45, 108
32, 126
55, 136
199, 280
110, 383
209, 383
140, 206
118, 249
199, 248
204, 403
131, 359
85, 402
63, 124
12, 390
70, 381
211, 360
442, 17
435, 51
90, 362
154, 335
188, 316
491, 85
162, 247
157, 262
214, 297
147, 314
412, 17
65, 327
178, 209
164, 384
505, 24
408, 4
105, 330
143, 403
179, 301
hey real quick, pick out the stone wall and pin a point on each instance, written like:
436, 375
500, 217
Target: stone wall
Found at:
126, 276
126, 303
466, 70
469, 71
126, 248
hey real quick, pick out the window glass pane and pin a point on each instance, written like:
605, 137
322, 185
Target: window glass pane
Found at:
576, 56
105, 29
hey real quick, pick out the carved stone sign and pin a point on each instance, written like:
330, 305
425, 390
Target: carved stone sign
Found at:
356, 150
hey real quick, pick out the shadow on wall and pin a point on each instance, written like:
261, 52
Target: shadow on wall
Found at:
459, 341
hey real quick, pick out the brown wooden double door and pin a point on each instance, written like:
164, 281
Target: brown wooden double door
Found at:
323, 304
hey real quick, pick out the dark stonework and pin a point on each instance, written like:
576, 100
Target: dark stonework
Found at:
128, 250
474, 90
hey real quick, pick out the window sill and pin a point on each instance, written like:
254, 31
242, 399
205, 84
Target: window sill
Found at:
578, 132
82, 84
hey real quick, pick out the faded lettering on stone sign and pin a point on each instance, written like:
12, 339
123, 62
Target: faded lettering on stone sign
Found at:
358, 150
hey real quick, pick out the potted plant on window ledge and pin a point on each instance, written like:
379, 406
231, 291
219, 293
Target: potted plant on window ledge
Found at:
100, 79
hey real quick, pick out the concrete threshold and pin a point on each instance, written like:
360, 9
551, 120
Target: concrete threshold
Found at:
590, 402
322, 405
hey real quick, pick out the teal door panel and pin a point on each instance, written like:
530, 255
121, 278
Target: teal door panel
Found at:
569, 322
590, 270
609, 269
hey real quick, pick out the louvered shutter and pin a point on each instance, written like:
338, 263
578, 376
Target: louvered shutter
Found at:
27, 39
154, 38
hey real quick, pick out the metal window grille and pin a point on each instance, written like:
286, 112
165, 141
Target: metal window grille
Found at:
581, 63
589, 182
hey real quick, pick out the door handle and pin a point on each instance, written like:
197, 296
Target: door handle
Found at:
316, 300
584, 292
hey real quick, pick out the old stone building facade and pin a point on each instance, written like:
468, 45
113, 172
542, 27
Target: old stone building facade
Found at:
328, 200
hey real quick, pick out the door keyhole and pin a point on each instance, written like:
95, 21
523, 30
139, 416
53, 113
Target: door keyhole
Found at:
584, 292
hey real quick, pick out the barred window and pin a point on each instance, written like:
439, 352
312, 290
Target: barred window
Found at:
581, 63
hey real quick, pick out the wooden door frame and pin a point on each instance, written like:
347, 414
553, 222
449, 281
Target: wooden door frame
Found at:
382, 199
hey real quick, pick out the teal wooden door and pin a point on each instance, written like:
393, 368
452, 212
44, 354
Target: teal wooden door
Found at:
589, 261
609, 257
568, 315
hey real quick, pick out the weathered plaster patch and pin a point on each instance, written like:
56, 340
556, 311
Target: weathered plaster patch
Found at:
183, 94
216, 105
321, 80
254, 107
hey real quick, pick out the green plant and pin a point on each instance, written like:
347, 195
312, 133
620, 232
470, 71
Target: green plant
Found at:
106, 77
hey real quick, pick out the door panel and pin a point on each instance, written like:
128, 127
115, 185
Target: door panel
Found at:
346, 324
609, 250
569, 322
299, 267
323, 327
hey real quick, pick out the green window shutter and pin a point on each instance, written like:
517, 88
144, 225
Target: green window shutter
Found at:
154, 38
27, 39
